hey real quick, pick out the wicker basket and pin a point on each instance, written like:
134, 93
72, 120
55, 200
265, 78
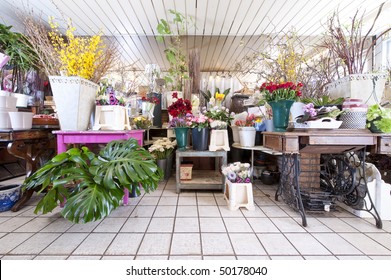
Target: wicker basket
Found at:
353, 120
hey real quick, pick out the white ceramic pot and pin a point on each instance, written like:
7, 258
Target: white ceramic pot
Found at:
235, 134
22, 99
21, 120
111, 117
247, 136
5, 122
8, 102
75, 101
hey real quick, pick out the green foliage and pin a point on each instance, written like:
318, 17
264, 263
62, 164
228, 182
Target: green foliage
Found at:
93, 185
322, 101
380, 117
178, 71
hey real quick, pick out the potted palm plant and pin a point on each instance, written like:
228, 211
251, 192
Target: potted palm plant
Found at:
91, 186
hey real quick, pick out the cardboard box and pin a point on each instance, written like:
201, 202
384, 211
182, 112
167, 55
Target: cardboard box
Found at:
186, 171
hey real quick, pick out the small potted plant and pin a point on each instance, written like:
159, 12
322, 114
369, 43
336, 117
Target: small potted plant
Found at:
379, 119
247, 131
162, 150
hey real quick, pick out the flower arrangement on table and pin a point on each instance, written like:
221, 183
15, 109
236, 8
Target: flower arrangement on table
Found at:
219, 115
313, 114
200, 121
108, 96
142, 122
280, 91
237, 172
249, 121
180, 111
162, 148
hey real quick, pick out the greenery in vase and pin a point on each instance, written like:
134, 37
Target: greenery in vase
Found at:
90, 185
380, 117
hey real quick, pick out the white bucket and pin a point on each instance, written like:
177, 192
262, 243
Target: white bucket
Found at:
22, 99
7, 102
21, 120
247, 136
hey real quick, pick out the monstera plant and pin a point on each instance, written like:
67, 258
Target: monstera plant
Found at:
91, 186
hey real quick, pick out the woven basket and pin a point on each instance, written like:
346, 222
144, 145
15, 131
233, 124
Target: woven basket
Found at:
353, 120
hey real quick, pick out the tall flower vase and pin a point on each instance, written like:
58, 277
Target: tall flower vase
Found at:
75, 101
200, 138
281, 110
181, 137
162, 164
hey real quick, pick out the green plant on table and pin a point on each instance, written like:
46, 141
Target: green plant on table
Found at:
322, 101
90, 185
380, 117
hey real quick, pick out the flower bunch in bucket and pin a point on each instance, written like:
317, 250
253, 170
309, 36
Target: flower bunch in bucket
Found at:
162, 148
220, 116
238, 172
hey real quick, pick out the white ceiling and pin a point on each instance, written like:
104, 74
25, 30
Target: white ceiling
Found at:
225, 30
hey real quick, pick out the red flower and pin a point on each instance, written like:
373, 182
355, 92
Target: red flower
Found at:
180, 107
273, 91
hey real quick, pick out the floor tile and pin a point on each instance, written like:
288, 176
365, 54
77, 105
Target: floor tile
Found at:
14, 223
206, 200
187, 211
65, 244
253, 258
120, 258
123, 211
221, 258
337, 225
110, 225
273, 211
361, 225
88, 227
186, 225
380, 257
187, 193
12, 240
225, 212
262, 225
149, 200
161, 225
169, 192
3, 219
155, 244
353, 258
320, 258
185, 258
237, 225
125, 244
95, 244
136, 225
382, 238
212, 225
209, 211
18, 257
151, 257
286, 258
50, 258
168, 200
306, 244
314, 225
143, 211
220, 201
336, 244
187, 200
256, 213
246, 244
59, 225
36, 243
206, 193
35, 225
288, 225
216, 244
165, 211
81, 258
264, 201
365, 244
186, 244
277, 244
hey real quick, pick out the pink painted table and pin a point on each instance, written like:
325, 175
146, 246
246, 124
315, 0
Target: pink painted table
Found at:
65, 137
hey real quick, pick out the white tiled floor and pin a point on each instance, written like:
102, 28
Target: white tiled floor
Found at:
194, 225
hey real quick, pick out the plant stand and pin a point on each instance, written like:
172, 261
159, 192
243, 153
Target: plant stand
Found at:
219, 140
239, 195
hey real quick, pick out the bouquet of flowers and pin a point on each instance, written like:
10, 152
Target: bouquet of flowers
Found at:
142, 122
152, 99
312, 114
220, 116
180, 107
107, 96
181, 121
249, 121
238, 172
199, 122
162, 148
280, 91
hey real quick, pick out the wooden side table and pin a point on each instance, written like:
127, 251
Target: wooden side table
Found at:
201, 179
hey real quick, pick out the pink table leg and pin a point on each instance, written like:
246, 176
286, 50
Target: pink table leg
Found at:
126, 196
61, 146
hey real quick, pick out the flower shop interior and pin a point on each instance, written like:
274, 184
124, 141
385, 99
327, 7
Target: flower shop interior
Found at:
195, 130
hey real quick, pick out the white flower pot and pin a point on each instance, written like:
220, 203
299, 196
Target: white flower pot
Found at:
21, 120
75, 101
247, 136
111, 117
22, 99
359, 86
7, 102
235, 134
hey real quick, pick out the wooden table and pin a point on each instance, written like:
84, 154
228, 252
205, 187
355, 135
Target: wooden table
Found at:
29, 145
344, 162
